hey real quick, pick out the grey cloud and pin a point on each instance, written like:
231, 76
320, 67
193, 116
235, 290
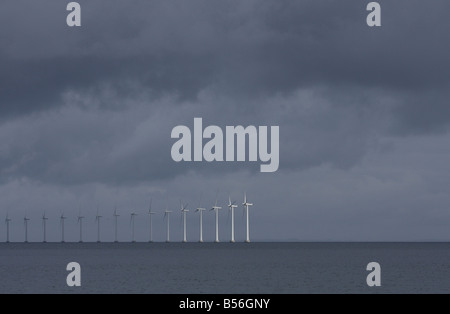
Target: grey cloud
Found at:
244, 49
86, 114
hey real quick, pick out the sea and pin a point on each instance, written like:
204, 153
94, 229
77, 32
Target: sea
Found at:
224, 268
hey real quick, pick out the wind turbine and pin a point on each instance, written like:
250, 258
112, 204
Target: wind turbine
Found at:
44, 224
232, 206
216, 209
97, 220
62, 218
133, 214
247, 205
183, 212
167, 213
25, 222
150, 214
201, 210
80, 221
115, 222
7, 221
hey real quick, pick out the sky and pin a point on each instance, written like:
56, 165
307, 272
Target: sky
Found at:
86, 115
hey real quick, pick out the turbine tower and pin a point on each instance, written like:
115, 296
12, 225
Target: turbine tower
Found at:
183, 212
62, 218
25, 222
167, 214
133, 214
97, 220
80, 221
231, 207
200, 210
150, 214
7, 221
44, 224
216, 209
115, 223
246, 206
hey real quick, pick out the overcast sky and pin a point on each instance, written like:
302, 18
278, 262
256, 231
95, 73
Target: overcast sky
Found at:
86, 115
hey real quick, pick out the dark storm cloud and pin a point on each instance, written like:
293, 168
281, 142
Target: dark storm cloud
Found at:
86, 113
97, 103
245, 47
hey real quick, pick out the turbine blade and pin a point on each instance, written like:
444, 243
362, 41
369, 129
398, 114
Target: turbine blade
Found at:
200, 201
217, 196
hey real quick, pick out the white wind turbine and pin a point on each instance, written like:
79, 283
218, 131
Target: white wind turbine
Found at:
133, 214
231, 207
44, 224
183, 212
216, 209
7, 221
97, 220
150, 214
62, 218
167, 214
25, 222
200, 211
115, 223
80, 221
246, 206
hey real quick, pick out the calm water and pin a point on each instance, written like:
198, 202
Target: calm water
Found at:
225, 268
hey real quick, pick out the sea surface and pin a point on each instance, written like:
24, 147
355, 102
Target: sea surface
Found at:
269, 268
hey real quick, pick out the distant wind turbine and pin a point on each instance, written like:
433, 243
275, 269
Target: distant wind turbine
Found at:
7, 221
246, 206
167, 214
150, 214
183, 212
80, 221
216, 210
25, 222
232, 206
133, 214
200, 210
97, 219
44, 224
115, 223
62, 218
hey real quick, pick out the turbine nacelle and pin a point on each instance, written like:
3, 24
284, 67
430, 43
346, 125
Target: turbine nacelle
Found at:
184, 207
167, 213
246, 203
231, 204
